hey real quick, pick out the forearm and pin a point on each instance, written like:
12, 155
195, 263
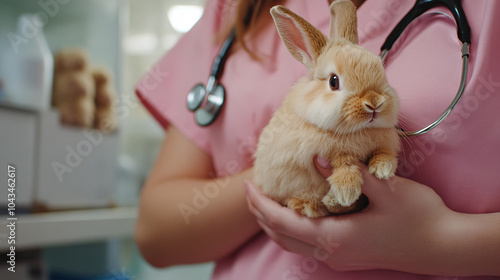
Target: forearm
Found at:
474, 240
194, 220
464, 245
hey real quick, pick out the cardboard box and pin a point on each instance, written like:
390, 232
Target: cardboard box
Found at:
57, 167
77, 168
18, 140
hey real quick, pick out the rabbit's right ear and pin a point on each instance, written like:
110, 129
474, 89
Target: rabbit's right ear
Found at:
303, 40
343, 24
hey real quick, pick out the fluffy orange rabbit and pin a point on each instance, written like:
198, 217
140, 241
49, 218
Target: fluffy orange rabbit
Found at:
343, 110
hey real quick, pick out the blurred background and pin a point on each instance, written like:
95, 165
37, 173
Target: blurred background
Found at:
74, 136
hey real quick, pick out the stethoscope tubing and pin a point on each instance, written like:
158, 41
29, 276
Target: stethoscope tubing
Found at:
463, 33
214, 92
458, 96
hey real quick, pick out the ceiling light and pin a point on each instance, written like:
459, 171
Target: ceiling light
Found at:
183, 17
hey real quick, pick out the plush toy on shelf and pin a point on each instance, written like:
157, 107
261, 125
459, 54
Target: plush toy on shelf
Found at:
73, 90
83, 96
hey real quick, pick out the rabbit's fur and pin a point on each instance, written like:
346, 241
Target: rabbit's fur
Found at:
348, 125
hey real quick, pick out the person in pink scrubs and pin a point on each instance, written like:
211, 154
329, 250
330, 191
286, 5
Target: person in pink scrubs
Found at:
439, 218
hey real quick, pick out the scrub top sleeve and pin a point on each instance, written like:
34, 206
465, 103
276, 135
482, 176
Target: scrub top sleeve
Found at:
163, 90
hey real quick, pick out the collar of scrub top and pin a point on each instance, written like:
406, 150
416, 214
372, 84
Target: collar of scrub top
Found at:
215, 92
463, 32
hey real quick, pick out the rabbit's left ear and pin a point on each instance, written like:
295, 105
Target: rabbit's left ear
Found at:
343, 23
303, 40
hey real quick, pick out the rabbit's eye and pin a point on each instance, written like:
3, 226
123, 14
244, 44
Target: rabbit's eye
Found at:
334, 82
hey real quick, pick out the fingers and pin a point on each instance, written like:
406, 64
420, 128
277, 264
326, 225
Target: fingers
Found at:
323, 166
290, 230
288, 243
320, 238
258, 203
280, 219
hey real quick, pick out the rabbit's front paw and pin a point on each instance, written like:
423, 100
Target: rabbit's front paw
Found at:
383, 164
341, 195
382, 169
345, 185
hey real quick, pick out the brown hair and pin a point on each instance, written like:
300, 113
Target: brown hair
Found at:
251, 15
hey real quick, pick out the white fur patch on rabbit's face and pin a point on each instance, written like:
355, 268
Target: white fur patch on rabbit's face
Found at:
313, 100
318, 104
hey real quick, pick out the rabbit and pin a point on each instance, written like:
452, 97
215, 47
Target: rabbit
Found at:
343, 110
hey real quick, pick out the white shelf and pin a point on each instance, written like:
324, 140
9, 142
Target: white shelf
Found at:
60, 228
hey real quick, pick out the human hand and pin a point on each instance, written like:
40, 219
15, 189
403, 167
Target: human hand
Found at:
400, 229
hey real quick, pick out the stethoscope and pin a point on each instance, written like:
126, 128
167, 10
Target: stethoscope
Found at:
215, 92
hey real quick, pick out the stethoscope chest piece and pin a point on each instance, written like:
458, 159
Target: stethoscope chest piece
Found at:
205, 115
195, 97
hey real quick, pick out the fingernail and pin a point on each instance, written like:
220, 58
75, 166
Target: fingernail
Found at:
323, 162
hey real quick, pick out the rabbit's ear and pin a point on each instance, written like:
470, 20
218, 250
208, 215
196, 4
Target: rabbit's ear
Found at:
303, 40
343, 23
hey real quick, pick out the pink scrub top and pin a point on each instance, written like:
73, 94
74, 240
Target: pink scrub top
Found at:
460, 159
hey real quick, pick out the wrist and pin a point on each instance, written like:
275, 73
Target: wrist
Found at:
429, 248
448, 230
467, 245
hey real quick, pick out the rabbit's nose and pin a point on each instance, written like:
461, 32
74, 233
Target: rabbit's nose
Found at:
370, 107
373, 101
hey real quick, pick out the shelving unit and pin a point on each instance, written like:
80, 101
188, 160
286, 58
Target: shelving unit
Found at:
95, 234
33, 139
67, 227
